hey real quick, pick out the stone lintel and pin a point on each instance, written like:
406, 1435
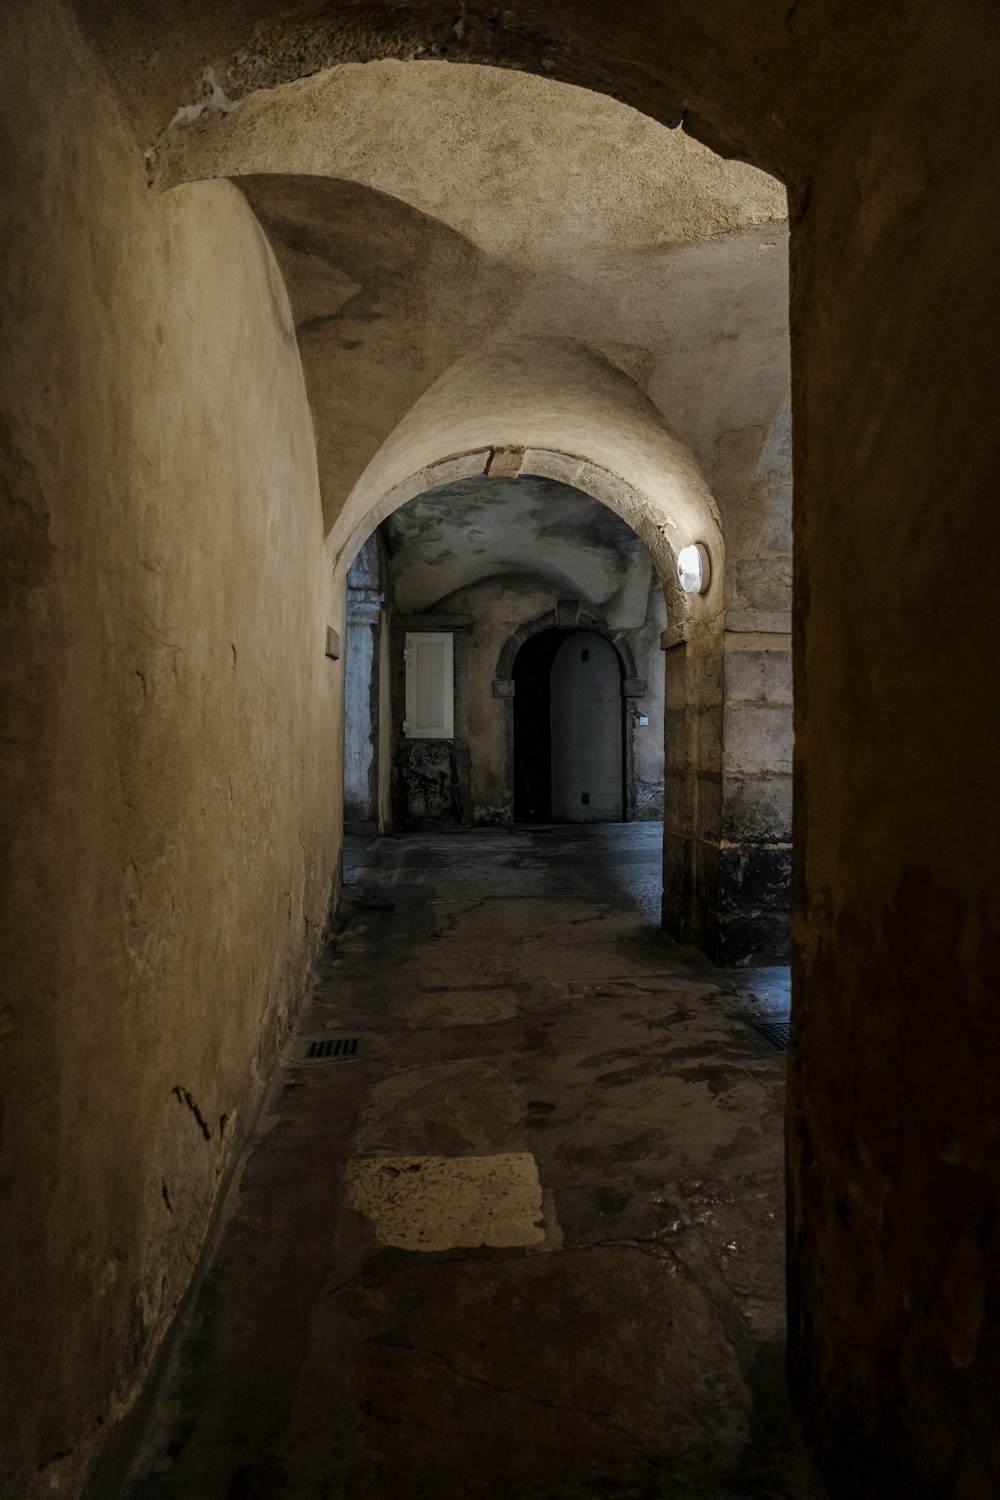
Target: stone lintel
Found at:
505, 463
765, 621
758, 640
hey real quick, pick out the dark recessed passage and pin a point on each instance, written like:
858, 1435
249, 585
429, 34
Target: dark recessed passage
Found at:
776, 1032
331, 1047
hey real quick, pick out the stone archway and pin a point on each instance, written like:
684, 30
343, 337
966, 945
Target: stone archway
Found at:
694, 641
894, 1260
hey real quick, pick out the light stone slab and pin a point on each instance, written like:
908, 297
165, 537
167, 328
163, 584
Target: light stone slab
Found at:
448, 1202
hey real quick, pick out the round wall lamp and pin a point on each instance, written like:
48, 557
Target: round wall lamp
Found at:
694, 568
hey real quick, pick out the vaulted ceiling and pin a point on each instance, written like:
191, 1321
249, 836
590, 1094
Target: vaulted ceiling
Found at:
528, 528
433, 218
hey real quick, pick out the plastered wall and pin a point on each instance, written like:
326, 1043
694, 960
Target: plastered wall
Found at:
493, 612
894, 1090
170, 750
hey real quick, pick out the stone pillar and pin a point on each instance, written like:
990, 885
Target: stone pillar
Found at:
692, 785
728, 794
894, 1088
753, 899
362, 655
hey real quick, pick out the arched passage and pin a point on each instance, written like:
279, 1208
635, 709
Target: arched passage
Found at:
536, 337
892, 363
569, 741
552, 407
672, 508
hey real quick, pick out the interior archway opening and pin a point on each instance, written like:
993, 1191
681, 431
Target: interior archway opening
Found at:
569, 729
179, 734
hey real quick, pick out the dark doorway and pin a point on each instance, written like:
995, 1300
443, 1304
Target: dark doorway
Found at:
568, 729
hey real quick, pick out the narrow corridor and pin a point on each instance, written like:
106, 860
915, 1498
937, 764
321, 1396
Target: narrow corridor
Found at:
527, 1241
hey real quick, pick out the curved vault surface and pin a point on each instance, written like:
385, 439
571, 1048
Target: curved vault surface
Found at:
521, 166
741, 75
420, 214
517, 528
560, 411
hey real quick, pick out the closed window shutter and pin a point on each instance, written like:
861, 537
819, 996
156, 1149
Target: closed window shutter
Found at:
430, 686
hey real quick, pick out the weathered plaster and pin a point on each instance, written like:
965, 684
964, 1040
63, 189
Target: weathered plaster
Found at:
609, 174
170, 823
504, 612
364, 622
397, 202
545, 398
466, 532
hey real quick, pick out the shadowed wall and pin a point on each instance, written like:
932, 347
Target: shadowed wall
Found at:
170, 759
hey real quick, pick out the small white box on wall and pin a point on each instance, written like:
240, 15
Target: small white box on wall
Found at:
430, 685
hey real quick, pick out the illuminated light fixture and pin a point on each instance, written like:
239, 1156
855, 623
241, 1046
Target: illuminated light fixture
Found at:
694, 568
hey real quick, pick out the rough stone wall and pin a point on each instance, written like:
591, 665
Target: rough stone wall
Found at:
755, 832
170, 751
692, 796
728, 795
498, 608
361, 649
647, 739
385, 720
430, 778
754, 898
729, 722
362, 691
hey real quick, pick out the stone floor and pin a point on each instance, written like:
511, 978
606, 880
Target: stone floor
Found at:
527, 1242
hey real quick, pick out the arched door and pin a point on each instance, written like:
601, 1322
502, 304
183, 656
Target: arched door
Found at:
586, 731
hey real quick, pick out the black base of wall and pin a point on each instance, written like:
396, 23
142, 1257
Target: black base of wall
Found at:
733, 902
753, 938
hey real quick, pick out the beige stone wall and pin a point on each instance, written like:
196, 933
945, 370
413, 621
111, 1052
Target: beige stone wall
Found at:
498, 609
170, 743
727, 844
692, 733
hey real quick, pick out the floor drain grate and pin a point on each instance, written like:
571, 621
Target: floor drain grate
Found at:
333, 1048
776, 1032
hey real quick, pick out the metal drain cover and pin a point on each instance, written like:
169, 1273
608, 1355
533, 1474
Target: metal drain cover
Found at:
776, 1032
333, 1047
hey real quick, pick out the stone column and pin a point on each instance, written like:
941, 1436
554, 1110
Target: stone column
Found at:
692, 784
755, 847
362, 651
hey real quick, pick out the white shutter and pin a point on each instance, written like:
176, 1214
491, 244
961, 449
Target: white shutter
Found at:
430, 686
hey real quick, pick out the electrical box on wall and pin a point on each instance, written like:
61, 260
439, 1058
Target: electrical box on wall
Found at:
332, 644
430, 685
